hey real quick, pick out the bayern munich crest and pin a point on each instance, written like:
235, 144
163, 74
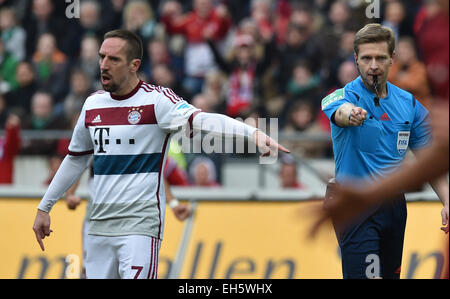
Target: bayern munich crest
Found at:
134, 116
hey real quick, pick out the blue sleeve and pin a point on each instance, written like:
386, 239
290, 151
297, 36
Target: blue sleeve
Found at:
421, 128
334, 100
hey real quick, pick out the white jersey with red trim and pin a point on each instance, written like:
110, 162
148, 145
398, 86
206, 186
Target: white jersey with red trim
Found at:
129, 137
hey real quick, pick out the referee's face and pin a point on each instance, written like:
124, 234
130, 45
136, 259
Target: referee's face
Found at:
114, 67
374, 60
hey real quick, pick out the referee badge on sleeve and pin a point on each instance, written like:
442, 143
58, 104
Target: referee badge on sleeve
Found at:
402, 141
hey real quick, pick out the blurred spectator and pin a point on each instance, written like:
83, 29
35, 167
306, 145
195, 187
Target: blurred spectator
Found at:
19, 6
3, 112
344, 53
202, 102
395, 17
281, 20
262, 14
333, 31
409, 73
163, 76
303, 83
95, 20
8, 65
244, 73
239, 9
203, 172
138, 17
347, 73
90, 18
289, 174
158, 53
215, 90
51, 66
12, 35
88, 60
174, 174
80, 89
114, 17
204, 19
338, 16
300, 45
432, 33
9, 148
20, 98
40, 20
42, 118
302, 119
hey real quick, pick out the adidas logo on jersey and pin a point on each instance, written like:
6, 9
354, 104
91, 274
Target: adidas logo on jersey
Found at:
385, 117
97, 119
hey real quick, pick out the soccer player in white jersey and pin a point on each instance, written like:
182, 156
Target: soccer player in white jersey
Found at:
127, 127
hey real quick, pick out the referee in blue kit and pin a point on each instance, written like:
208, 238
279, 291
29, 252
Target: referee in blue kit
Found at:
373, 123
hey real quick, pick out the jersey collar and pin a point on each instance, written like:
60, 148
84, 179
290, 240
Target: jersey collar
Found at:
128, 95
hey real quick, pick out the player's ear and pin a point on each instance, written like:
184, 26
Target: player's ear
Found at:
135, 64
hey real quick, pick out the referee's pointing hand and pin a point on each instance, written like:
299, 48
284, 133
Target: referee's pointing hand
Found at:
357, 116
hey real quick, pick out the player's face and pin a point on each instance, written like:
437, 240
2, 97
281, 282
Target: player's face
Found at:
374, 60
114, 66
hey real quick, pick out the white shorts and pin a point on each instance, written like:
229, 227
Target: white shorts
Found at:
126, 257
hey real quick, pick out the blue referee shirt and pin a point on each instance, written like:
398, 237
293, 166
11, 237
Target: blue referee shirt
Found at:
379, 145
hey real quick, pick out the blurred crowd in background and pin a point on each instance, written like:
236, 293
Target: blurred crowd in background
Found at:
243, 58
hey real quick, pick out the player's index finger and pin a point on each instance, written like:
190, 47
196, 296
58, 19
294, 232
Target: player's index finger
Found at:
282, 148
39, 240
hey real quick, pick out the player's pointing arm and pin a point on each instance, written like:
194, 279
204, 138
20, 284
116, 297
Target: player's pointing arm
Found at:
173, 112
231, 127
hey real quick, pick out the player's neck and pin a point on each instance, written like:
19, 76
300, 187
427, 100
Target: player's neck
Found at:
129, 86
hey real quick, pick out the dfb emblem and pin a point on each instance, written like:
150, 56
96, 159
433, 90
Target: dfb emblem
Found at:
134, 116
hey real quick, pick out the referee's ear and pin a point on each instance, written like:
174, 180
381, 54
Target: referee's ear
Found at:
393, 57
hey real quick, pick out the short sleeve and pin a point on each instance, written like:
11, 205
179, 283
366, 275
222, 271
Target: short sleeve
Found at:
81, 142
421, 128
172, 112
333, 101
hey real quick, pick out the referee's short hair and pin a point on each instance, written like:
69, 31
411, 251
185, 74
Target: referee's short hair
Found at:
135, 49
375, 33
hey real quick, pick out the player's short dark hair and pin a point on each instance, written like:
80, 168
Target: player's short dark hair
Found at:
375, 33
135, 49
